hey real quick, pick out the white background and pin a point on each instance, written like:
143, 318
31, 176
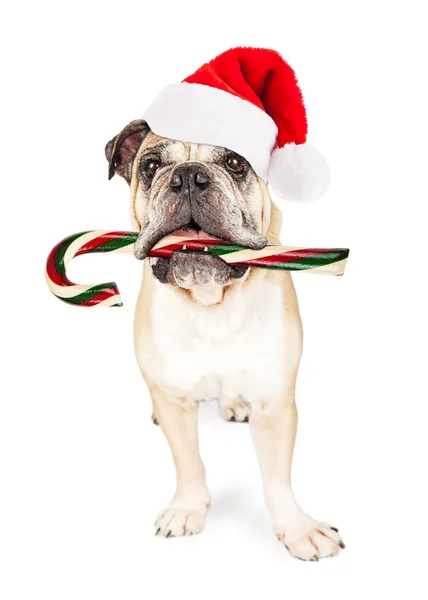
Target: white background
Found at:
83, 470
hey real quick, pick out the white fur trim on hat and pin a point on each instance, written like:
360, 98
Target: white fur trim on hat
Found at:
196, 113
298, 172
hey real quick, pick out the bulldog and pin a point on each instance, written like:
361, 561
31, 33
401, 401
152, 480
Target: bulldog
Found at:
206, 330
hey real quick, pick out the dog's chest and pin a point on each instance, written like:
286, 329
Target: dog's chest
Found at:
231, 349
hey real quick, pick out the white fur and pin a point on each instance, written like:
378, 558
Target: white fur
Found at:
238, 348
299, 172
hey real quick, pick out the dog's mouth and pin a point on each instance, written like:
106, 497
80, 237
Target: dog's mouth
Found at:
194, 231
153, 232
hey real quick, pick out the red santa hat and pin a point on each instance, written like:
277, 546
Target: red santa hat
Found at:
247, 100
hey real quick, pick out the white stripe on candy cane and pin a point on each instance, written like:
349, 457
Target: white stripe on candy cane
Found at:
81, 241
242, 255
110, 301
68, 291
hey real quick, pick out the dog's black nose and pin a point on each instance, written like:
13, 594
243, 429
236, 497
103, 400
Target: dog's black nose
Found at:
189, 176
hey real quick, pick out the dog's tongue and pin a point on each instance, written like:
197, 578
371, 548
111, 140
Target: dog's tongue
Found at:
193, 234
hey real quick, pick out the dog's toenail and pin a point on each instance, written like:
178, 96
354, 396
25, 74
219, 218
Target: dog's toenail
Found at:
342, 545
334, 529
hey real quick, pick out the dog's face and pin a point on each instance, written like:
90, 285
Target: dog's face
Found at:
205, 190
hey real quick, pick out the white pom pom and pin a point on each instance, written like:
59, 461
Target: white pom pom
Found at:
298, 172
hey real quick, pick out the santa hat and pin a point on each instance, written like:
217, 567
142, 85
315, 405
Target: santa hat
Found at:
247, 100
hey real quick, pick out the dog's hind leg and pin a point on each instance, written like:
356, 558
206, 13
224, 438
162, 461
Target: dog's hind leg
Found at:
185, 514
234, 409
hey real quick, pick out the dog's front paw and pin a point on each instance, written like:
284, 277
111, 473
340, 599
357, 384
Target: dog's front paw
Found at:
175, 522
185, 514
307, 539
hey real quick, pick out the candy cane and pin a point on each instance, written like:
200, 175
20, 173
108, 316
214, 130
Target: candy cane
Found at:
104, 294
315, 260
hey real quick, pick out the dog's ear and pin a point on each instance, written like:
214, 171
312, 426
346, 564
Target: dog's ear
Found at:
123, 147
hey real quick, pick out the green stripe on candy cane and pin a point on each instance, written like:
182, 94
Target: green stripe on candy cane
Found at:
111, 244
301, 260
89, 296
224, 249
62, 249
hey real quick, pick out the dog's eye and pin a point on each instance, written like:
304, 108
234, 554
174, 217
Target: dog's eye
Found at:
151, 166
235, 163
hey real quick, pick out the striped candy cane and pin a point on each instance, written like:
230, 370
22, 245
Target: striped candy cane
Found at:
104, 294
327, 261
316, 260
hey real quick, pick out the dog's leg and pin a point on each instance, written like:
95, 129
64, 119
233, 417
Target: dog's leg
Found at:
273, 427
185, 514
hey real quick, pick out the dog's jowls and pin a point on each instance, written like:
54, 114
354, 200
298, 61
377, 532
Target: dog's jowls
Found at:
205, 330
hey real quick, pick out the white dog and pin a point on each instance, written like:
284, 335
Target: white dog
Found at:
205, 329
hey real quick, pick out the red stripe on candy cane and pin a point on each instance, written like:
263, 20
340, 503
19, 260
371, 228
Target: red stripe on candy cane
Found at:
285, 257
51, 269
100, 240
100, 297
196, 244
